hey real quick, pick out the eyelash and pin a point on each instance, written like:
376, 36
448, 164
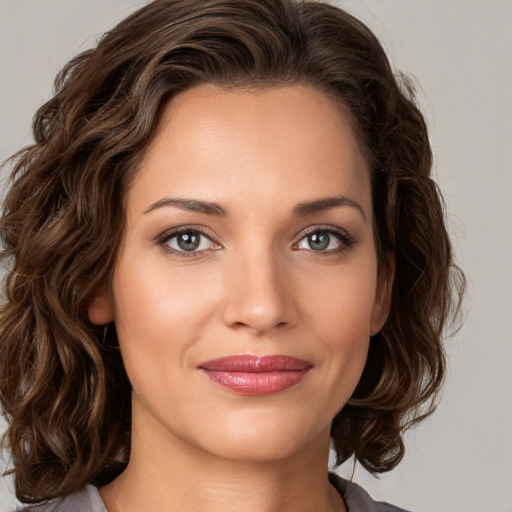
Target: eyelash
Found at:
345, 239
168, 235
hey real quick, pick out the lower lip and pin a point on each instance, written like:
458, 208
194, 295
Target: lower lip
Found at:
264, 383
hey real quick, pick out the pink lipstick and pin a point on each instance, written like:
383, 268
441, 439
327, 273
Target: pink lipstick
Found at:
253, 375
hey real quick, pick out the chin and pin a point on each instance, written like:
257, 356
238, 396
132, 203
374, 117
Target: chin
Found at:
265, 438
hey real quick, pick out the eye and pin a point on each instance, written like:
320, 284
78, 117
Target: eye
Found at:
186, 241
325, 240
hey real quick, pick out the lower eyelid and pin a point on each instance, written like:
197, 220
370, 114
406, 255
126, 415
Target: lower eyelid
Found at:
163, 242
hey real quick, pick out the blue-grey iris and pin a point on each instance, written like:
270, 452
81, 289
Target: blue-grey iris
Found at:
189, 241
318, 241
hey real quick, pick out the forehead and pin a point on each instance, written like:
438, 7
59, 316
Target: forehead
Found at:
275, 144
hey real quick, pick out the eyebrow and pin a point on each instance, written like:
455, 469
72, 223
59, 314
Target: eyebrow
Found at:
301, 210
192, 205
326, 203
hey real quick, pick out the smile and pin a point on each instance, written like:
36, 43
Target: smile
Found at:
253, 375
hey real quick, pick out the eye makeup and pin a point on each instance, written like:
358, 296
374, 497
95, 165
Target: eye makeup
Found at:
195, 241
190, 235
322, 236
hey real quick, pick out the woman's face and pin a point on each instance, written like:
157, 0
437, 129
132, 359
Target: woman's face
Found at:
246, 287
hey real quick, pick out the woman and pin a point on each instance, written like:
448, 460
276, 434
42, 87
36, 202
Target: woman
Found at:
225, 251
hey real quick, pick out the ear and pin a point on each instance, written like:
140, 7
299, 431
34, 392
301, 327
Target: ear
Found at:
382, 304
99, 308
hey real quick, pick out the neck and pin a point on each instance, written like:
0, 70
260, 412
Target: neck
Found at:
179, 476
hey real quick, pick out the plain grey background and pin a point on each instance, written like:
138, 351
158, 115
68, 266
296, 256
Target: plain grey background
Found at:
460, 460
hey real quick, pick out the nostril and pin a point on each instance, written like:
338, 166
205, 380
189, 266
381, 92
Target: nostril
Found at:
258, 329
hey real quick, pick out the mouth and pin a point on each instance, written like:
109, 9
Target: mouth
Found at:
253, 375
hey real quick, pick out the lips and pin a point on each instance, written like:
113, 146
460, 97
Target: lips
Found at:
253, 375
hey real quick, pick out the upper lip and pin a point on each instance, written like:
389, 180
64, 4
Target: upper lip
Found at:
256, 364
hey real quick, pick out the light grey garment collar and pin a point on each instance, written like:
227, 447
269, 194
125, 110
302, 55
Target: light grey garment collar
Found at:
86, 500
357, 499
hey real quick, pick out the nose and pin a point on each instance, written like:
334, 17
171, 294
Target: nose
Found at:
260, 295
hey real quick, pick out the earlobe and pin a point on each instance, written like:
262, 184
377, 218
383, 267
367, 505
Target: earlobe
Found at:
383, 296
99, 308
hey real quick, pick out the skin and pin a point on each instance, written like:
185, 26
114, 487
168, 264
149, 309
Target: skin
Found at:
254, 286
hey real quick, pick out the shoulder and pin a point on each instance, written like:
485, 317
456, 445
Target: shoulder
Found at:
86, 500
357, 499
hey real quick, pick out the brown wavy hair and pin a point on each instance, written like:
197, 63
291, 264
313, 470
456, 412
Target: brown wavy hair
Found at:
63, 388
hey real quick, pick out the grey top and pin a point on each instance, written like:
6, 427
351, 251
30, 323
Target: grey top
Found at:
89, 500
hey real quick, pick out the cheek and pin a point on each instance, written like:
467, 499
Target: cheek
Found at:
339, 311
159, 314
156, 296
156, 319
341, 301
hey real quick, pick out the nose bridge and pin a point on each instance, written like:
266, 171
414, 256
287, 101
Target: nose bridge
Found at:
259, 295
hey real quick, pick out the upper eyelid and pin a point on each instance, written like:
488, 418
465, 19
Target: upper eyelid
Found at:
164, 239
326, 227
172, 232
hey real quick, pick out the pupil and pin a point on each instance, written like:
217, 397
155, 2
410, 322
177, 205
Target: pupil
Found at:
318, 241
188, 241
